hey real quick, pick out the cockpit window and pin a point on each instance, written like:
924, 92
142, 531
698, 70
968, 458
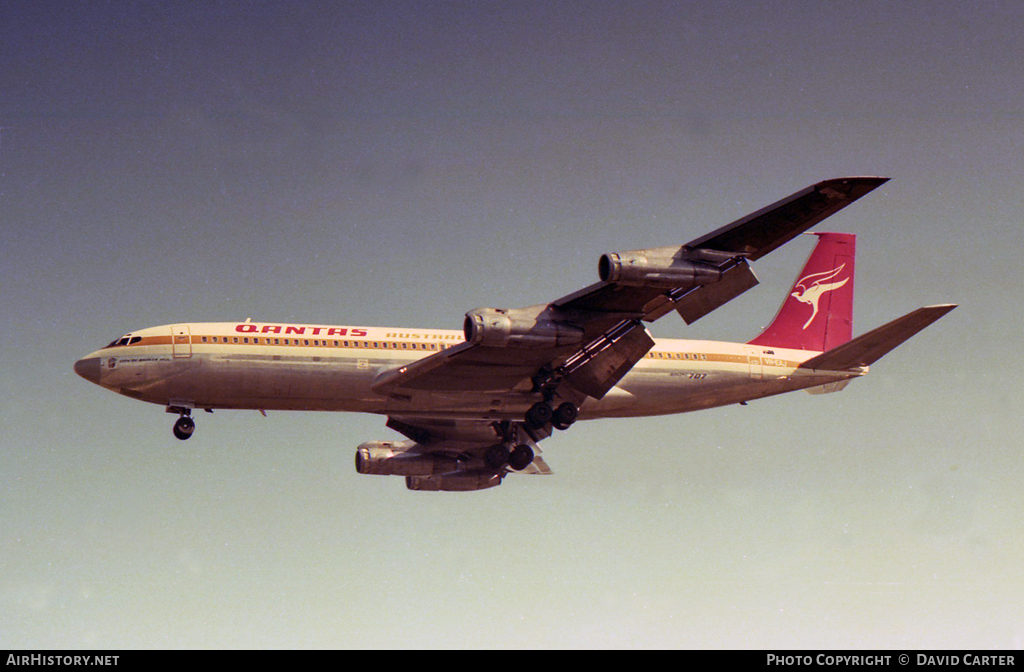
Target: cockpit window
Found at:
127, 339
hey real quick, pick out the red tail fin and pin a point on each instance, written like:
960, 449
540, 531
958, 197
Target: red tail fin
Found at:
818, 313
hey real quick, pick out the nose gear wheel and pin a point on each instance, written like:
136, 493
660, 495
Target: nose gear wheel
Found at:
184, 427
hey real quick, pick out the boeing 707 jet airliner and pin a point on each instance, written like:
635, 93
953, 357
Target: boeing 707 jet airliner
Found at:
475, 403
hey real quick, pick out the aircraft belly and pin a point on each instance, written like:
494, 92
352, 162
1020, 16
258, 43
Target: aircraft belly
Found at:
267, 382
285, 382
469, 405
664, 392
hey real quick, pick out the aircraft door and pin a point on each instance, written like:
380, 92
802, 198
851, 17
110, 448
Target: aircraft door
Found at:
181, 341
756, 364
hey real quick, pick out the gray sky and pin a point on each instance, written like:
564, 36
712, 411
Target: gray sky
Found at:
398, 163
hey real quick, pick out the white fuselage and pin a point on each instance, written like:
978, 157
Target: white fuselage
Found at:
269, 366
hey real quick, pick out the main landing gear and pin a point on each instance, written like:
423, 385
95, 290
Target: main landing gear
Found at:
540, 418
517, 458
562, 417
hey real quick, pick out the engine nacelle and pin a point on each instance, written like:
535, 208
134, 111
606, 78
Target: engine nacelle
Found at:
640, 270
521, 328
389, 458
459, 481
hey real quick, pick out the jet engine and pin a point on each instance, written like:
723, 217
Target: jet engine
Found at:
520, 327
458, 481
389, 458
640, 270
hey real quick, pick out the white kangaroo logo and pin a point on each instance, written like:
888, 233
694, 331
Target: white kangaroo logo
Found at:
813, 286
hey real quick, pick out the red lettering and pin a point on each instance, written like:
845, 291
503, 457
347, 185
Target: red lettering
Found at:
248, 328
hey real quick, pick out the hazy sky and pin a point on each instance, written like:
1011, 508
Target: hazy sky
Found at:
399, 163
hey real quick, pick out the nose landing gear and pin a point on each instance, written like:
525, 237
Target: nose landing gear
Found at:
185, 425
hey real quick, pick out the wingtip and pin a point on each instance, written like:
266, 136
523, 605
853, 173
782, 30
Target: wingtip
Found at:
862, 178
869, 181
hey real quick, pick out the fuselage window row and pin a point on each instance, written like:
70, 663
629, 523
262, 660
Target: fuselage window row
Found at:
373, 345
677, 355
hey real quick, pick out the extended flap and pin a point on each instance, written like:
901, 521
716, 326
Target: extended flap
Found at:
608, 360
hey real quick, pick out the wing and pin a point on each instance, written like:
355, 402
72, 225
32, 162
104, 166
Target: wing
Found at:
729, 248
583, 343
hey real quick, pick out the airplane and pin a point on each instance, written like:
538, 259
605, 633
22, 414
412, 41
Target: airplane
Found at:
474, 404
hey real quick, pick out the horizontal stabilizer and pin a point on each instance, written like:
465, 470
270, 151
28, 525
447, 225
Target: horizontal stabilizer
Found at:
872, 346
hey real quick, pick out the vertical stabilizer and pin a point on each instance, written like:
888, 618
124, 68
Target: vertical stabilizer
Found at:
818, 313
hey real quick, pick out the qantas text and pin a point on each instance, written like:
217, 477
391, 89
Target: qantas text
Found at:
313, 331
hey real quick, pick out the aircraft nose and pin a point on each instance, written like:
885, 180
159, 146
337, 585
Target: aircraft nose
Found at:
89, 368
